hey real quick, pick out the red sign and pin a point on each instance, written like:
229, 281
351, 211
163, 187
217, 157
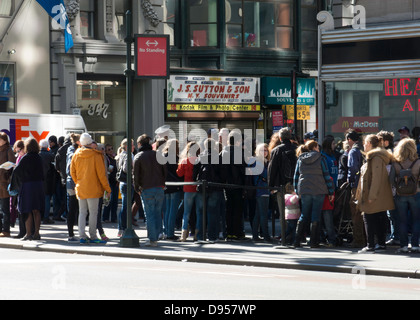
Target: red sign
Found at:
278, 118
152, 56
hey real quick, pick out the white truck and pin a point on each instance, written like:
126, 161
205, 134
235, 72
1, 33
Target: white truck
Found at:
19, 126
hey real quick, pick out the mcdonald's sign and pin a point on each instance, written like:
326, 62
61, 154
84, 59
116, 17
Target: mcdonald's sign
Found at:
363, 124
345, 124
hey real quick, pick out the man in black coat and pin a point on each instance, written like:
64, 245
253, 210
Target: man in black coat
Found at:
283, 160
281, 169
233, 168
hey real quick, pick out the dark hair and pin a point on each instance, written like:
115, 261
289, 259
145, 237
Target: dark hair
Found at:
387, 136
327, 145
352, 134
31, 145
18, 144
144, 139
4, 137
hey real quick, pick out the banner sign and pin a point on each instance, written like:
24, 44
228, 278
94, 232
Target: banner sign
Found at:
303, 112
152, 56
212, 90
214, 107
278, 91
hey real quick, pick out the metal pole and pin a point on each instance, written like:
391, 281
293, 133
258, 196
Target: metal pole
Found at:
204, 194
129, 238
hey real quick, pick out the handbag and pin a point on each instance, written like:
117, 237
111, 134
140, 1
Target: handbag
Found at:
121, 175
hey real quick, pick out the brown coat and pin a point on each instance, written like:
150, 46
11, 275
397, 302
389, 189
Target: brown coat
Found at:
374, 185
6, 154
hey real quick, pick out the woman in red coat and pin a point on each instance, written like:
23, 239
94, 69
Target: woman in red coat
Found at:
185, 169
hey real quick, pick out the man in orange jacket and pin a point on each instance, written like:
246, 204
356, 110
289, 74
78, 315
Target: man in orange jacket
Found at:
89, 175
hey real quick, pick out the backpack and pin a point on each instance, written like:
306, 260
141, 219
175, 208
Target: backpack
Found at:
406, 181
288, 165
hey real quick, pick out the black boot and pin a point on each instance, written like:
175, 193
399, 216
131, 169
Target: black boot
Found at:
315, 234
300, 231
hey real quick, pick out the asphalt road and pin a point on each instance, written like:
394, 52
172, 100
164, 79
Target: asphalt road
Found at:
54, 276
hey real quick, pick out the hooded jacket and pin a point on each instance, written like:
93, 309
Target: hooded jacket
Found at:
374, 183
312, 175
88, 172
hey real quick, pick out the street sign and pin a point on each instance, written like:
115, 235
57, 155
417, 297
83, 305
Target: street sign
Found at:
151, 56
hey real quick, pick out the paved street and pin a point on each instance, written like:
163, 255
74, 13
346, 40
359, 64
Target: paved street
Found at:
45, 275
341, 260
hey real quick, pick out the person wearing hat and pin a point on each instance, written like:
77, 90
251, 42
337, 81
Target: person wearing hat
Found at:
404, 132
161, 132
89, 175
308, 136
354, 163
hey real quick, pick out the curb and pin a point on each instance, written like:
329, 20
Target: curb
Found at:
184, 257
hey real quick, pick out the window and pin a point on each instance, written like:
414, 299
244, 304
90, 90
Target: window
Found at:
370, 106
309, 26
6, 7
7, 88
121, 8
170, 11
91, 91
87, 19
203, 23
260, 24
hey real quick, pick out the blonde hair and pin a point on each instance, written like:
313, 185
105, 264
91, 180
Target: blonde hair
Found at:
308, 146
258, 150
406, 149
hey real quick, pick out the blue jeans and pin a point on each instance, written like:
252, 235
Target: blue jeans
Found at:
189, 199
328, 224
409, 207
311, 207
213, 204
172, 201
47, 206
152, 200
260, 218
122, 216
111, 209
394, 218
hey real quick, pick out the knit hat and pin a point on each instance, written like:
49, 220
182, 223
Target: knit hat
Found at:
85, 139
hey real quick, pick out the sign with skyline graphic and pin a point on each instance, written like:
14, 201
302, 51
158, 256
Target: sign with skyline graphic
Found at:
278, 91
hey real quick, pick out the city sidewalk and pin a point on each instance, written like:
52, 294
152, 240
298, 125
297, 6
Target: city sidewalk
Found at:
246, 253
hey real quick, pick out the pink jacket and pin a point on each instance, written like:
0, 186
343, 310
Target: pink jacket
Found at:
292, 206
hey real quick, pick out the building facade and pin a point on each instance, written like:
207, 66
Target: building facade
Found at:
242, 45
369, 67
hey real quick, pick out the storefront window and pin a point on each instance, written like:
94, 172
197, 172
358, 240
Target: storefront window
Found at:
372, 106
102, 106
203, 23
260, 24
7, 88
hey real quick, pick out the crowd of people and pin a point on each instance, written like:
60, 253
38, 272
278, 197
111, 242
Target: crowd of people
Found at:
84, 179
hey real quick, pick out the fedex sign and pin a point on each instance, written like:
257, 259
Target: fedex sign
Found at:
17, 131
